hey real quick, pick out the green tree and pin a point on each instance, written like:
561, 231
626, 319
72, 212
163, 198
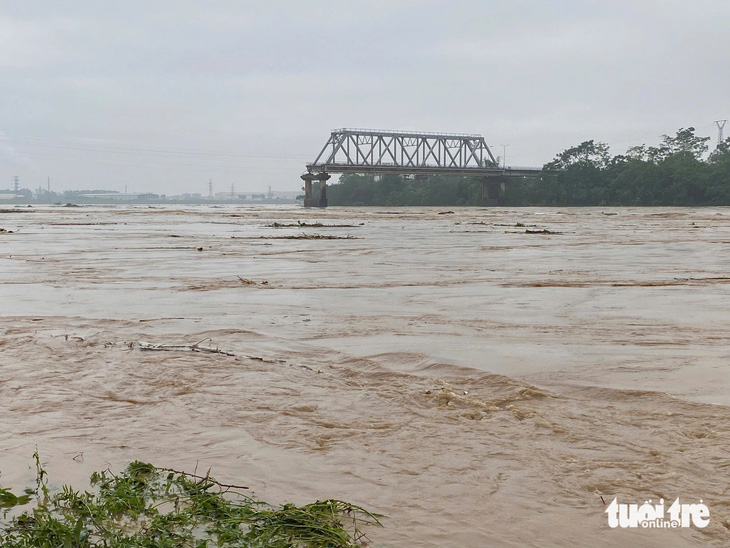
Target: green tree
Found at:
672, 173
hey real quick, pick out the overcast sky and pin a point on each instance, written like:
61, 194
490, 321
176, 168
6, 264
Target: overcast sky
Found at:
161, 96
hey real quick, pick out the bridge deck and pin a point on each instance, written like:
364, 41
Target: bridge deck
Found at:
384, 169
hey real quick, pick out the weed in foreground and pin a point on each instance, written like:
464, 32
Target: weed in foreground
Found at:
146, 507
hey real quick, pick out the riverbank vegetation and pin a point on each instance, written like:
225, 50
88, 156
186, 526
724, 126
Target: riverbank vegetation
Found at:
150, 507
678, 172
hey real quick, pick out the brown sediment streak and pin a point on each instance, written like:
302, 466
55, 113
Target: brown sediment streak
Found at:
621, 283
459, 384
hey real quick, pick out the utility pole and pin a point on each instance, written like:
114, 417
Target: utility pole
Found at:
720, 126
16, 184
504, 155
49, 185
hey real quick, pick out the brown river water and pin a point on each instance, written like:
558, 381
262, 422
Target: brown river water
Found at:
475, 379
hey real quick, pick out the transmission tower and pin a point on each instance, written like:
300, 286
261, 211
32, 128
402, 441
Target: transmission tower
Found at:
720, 126
210, 188
16, 184
233, 191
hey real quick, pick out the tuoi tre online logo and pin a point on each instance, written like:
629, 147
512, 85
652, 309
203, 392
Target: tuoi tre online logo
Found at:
654, 516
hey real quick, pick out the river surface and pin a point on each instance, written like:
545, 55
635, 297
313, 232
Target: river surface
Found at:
483, 377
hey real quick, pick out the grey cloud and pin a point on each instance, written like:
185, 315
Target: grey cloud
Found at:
273, 78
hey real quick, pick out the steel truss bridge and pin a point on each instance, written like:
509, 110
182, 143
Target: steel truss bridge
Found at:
407, 153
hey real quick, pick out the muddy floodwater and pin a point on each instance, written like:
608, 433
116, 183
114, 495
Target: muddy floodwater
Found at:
482, 377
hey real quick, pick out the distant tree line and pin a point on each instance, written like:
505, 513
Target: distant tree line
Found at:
675, 173
395, 190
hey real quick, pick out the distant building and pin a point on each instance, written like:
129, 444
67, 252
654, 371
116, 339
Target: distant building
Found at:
226, 196
121, 196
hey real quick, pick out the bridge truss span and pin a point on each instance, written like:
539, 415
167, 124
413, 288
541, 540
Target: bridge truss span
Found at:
363, 151
407, 153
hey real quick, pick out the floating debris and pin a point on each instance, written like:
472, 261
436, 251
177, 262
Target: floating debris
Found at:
246, 281
179, 348
309, 237
300, 224
543, 231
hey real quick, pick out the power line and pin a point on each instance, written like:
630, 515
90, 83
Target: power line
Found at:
126, 148
144, 163
130, 156
521, 153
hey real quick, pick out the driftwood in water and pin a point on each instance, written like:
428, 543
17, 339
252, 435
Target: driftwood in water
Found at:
180, 348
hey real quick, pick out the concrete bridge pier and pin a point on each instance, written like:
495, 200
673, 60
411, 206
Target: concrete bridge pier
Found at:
315, 197
307, 178
323, 178
493, 191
